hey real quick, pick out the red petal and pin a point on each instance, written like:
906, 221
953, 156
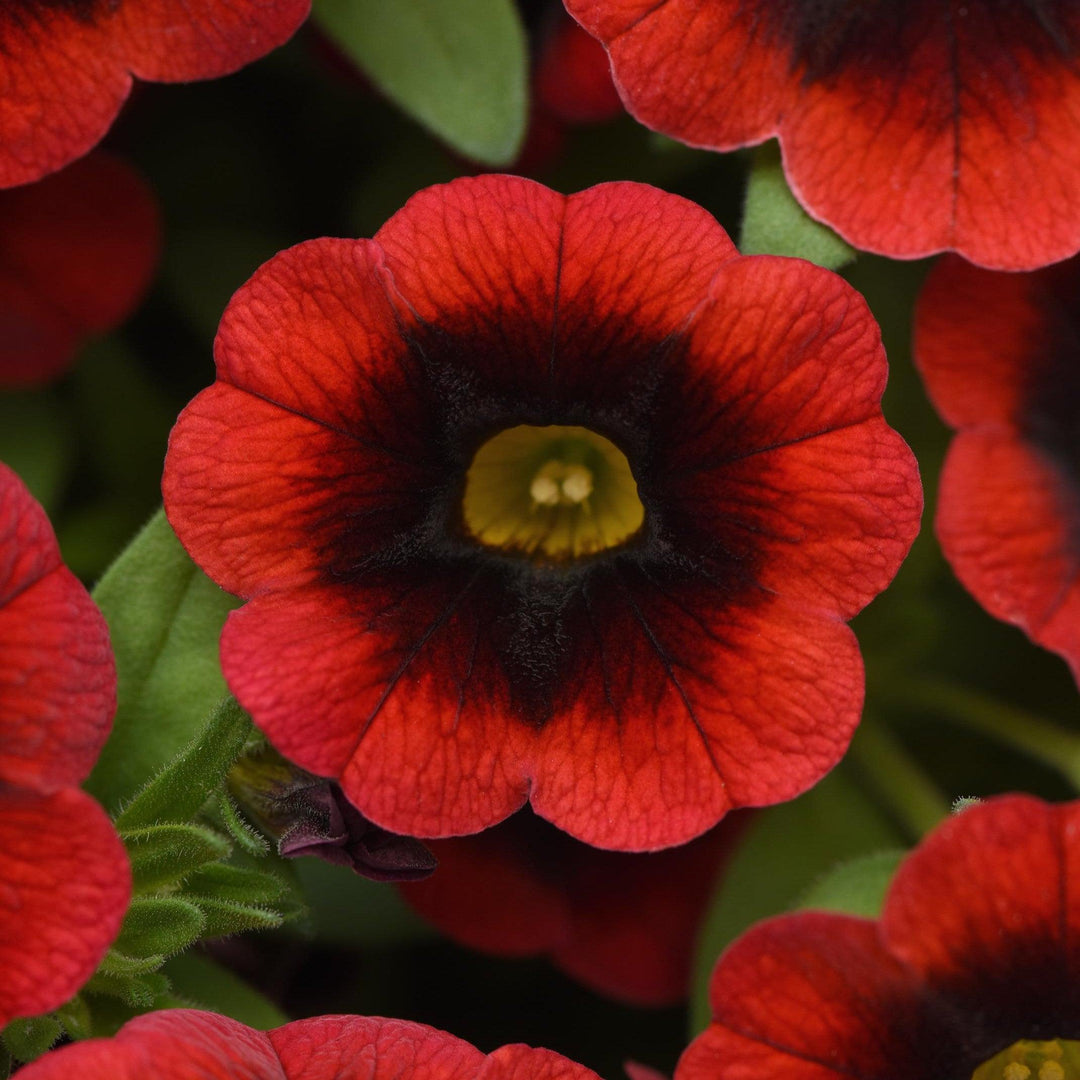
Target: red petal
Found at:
686, 704
64, 84
783, 457
66, 884
908, 135
174, 1045
1007, 518
573, 76
394, 709
816, 997
623, 924
329, 1047
212, 38
984, 911
520, 1062
977, 340
57, 674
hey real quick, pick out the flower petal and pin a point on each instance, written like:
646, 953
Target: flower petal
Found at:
65, 888
57, 673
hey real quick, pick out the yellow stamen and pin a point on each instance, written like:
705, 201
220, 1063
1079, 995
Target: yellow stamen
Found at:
1032, 1059
551, 494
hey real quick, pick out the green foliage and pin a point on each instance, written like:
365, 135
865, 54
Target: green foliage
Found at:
856, 887
775, 224
36, 443
166, 854
29, 1038
159, 926
165, 617
785, 849
460, 69
181, 789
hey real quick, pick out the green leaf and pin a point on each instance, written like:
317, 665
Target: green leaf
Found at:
75, 1018
210, 986
165, 617
164, 854
236, 883
140, 992
458, 68
775, 224
29, 1037
785, 849
225, 917
254, 843
122, 965
159, 926
856, 887
179, 791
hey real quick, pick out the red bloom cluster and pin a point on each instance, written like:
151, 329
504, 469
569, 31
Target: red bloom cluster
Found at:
909, 127
182, 1043
624, 924
998, 353
974, 956
65, 877
68, 64
77, 251
546, 498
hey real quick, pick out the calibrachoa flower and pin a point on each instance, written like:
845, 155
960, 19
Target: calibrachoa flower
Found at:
77, 251
68, 64
546, 498
183, 1043
968, 975
624, 924
64, 877
999, 356
908, 127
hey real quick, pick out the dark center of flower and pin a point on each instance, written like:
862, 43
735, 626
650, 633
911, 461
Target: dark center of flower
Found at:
551, 494
1029, 1059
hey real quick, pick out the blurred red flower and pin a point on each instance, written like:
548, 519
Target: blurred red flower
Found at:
68, 64
908, 127
180, 1044
546, 498
572, 78
77, 252
970, 971
65, 876
623, 924
998, 353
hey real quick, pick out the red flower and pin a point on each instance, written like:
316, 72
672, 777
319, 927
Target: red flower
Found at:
998, 353
68, 64
546, 498
65, 877
623, 924
180, 1043
975, 952
908, 127
573, 77
77, 251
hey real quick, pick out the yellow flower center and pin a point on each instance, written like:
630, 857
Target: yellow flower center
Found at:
551, 493
1028, 1059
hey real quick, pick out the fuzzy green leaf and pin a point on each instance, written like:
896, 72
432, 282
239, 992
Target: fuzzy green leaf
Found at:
74, 1015
226, 917
140, 992
120, 964
856, 887
458, 68
775, 224
159, 926
165, 617
785, 849
236, 883
246, 837
29, 1037
164, 854
179, 790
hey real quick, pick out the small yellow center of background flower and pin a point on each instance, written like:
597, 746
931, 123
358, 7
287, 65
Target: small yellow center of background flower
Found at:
1056, 1059
551, 494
